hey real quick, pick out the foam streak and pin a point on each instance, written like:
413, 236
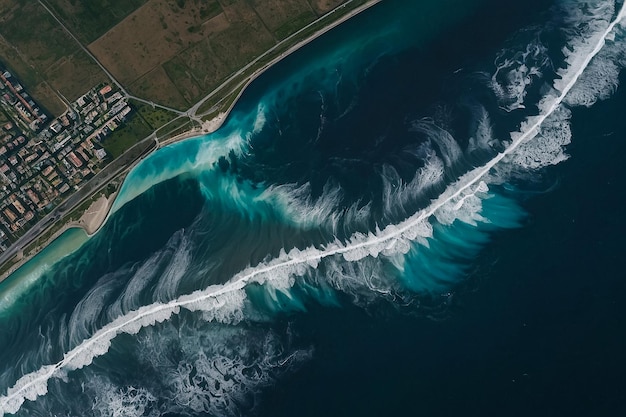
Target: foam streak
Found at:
296, 262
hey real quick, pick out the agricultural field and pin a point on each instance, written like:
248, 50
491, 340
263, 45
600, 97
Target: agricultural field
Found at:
175, 52
283, 17
151, 35
200, 68
47, 60
90, 19
157, 86
171, 52
325, 6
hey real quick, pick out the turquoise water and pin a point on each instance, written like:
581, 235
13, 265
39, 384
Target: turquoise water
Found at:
378, 228
29, 276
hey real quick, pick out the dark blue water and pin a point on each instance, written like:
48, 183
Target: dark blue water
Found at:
338, 249
536, 330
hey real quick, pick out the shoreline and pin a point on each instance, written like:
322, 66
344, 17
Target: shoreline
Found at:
93, 223
215, 123
94, 218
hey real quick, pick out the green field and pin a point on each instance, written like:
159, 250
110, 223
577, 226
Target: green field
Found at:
124, 137
154, 117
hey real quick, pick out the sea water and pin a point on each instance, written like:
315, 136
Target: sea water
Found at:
418, 213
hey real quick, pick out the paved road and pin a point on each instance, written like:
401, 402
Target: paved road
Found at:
111, 171
193, 110
100, 180
102, 67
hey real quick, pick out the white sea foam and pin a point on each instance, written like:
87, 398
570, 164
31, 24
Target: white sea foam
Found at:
515, 73
299, 206
112, 401
83, 320
465, 207
281, 270
601, 78
167, 163
548, 148
139, 280
483, 138
260, 120
176, 269
585, 27
448, 148
217, 375
397, 195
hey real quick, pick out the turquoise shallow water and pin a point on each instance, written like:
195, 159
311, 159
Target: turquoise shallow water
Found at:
29, 275
280, 266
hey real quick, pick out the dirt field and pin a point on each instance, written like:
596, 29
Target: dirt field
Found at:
151, 35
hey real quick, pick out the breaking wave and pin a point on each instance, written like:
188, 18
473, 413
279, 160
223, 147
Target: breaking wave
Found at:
402, 250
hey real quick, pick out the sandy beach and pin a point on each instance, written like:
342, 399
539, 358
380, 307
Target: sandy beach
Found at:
96, 214
90, 222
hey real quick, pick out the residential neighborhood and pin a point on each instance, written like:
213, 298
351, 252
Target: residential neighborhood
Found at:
43, 160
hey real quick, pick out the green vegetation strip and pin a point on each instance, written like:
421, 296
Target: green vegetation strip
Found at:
126, 136
7, 266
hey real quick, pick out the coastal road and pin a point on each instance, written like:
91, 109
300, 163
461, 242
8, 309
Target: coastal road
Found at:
100, 180
119, 165
192, 112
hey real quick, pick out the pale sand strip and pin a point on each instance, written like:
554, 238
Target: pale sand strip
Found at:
90, 222
95, 215
93, 222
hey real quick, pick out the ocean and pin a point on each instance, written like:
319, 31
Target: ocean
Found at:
419, 213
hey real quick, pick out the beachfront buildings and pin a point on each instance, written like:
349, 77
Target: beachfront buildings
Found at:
42, 160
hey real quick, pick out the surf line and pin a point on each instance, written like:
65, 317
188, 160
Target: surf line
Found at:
35, 384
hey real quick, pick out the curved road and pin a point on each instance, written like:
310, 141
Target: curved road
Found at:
112, 170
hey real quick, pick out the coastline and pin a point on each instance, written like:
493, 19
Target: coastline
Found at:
215, 123
242, 86
94, 221
90, 222
94, 218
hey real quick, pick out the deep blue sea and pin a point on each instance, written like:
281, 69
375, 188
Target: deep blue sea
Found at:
419, 213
